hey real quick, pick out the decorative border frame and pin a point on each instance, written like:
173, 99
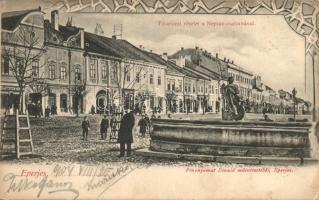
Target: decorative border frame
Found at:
301, 15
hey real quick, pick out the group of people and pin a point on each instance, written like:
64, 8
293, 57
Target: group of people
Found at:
125, 131
144, 124
50, 111
35, 109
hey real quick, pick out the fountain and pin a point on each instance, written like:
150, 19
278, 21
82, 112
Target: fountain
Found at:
233, 141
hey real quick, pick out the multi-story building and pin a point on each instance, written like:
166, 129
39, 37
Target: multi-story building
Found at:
78, 69
212, 72
64, 66
70, 70
242, 77
136, 80
21, 57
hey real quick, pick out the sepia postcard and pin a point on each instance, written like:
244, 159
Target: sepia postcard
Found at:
159, 99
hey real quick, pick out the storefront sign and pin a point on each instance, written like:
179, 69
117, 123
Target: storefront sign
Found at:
9, 89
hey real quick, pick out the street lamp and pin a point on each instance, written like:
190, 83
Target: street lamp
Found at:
314, 114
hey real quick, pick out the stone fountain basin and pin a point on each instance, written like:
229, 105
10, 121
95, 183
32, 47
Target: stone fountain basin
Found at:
231, 138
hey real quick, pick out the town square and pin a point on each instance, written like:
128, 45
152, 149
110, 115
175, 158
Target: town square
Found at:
105, 97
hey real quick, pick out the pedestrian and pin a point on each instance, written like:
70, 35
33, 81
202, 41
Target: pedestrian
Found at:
113, 122
143, 125
125, 133
92, 110
85, 128
148, 123
103, 127
47, 112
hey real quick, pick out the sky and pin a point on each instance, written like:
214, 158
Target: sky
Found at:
265, 45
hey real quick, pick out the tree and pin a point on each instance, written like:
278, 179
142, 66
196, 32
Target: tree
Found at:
121, 77
171, 99
23, 49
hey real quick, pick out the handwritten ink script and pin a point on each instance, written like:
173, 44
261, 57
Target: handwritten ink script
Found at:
98, 178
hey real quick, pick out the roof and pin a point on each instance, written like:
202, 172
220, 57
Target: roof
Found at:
236, 67
10, 20
171, 67
67, 31
203, 62
115, 47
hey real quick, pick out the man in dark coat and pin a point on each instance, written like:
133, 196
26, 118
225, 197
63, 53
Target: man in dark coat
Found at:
103, 127
47, 112
125, 133
142, 124
85, 128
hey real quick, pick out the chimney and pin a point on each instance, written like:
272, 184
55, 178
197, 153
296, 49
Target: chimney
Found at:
232, 62
182, 48
82, 37
114, 37
164, 56
216, 55
225, 59
228, 60
55, 19
140, 46
69, 22
151, 51
196, 47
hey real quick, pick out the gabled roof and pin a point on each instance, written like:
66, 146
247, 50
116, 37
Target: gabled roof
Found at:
171, 67
204, 63
236, 67
194, 74
115, 47
10, 20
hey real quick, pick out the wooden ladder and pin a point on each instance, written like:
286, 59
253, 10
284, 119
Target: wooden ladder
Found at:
17, 140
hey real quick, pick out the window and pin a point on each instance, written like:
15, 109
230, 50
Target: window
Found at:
52, 72
5, 65
19, 65
194, 90
92, 70
128, 77
104, 69
180, 87
77, 74
173, 85
35, 68
137, 77
113, 72
168, 85
212, 89
63, 73
159, 80
151, 78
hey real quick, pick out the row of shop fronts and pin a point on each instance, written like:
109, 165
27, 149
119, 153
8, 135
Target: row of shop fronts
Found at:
58, 102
